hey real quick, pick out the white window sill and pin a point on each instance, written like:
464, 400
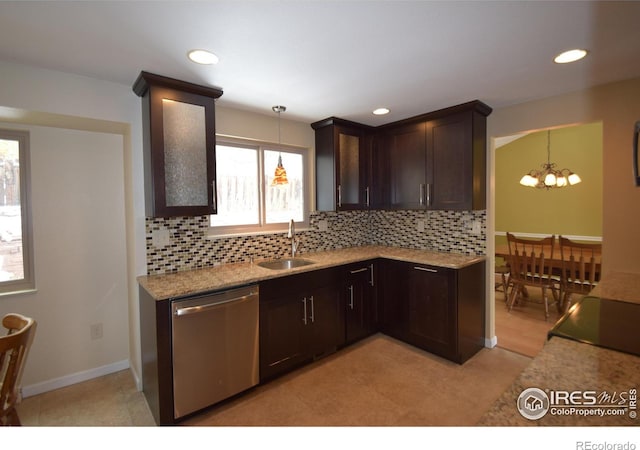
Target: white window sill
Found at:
212, 234
21, 292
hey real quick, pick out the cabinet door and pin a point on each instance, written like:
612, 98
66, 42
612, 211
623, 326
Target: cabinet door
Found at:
350, 169
379, 175
359, 300
394, 302
342, 165
282, 335
432, 309
179, 146
325, 321
456, 163
182, 153
407, 166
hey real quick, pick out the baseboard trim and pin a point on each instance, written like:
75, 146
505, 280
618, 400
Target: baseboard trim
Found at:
137, 378
78, 377
491, 342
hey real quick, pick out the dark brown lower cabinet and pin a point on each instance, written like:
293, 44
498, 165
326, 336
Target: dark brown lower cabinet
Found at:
437, 309
301, 318
359, 291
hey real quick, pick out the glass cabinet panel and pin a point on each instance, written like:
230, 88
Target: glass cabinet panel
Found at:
349, 176
185, 153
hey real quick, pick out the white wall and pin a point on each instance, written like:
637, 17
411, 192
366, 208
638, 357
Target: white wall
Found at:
77, 185
31, 96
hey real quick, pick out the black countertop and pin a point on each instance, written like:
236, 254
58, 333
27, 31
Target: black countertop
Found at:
607, 323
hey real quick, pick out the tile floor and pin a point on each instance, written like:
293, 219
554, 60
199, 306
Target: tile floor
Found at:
376, 382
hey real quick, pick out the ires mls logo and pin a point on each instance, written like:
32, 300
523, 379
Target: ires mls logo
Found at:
534, 403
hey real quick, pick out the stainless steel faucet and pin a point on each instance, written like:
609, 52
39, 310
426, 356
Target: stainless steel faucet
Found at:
292, 236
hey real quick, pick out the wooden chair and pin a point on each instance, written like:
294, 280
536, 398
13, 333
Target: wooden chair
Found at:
504, 283
530, 264
580, 268
14, 348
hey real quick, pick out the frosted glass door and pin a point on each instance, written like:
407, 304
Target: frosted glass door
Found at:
185, 153
349, 158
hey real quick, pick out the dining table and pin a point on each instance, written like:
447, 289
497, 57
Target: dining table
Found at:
502, 251
555, 262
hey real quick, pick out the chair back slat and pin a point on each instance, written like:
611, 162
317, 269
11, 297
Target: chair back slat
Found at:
581, 265
531, 259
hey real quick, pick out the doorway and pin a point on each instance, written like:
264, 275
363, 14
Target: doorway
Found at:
572, 211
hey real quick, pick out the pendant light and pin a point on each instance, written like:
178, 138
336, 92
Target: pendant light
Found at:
549, 177
280, 176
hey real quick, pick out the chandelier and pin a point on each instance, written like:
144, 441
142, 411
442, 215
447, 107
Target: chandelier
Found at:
550, 177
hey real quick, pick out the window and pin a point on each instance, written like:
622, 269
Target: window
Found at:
16, 257
248, 199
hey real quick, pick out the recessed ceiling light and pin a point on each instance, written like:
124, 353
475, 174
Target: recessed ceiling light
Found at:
381, 111
202, 57
570, 56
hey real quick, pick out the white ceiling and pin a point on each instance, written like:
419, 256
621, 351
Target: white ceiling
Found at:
342, 58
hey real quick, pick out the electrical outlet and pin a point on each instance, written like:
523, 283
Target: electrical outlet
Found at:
323, 225
476, 228
420, 226
161, 238
96, 331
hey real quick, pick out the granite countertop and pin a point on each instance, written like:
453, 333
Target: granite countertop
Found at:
180, 284
619, 286
566, 365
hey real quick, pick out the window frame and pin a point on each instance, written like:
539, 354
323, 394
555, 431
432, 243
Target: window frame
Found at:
262, 227
27, 283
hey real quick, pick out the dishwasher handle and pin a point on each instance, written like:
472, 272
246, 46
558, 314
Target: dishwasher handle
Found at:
208, 306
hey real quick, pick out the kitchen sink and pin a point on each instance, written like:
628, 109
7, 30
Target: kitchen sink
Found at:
285, 263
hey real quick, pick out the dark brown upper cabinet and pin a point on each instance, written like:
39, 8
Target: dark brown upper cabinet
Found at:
432, 161
179, 140
438, 160
407, 156
343, 151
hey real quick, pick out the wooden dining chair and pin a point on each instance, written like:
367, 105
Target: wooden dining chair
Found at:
14, 348
581, 267
530, 262
503, 285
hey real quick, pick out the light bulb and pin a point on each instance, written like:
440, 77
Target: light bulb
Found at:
550, 179
561, 181
528, 181
574, 179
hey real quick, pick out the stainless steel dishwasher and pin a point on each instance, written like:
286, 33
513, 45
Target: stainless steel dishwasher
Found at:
215, 347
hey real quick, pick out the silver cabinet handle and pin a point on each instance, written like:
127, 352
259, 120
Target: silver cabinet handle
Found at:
421, 194
428, 194
425, 269
359, 270
304, 313
636, 168
313, 312
351, 297
339, 196
366, 192
371, 279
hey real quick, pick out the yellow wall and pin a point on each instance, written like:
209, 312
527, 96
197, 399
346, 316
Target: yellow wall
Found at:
572, 210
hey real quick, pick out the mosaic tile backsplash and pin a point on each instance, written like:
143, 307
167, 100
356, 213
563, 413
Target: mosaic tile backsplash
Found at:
182, 243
